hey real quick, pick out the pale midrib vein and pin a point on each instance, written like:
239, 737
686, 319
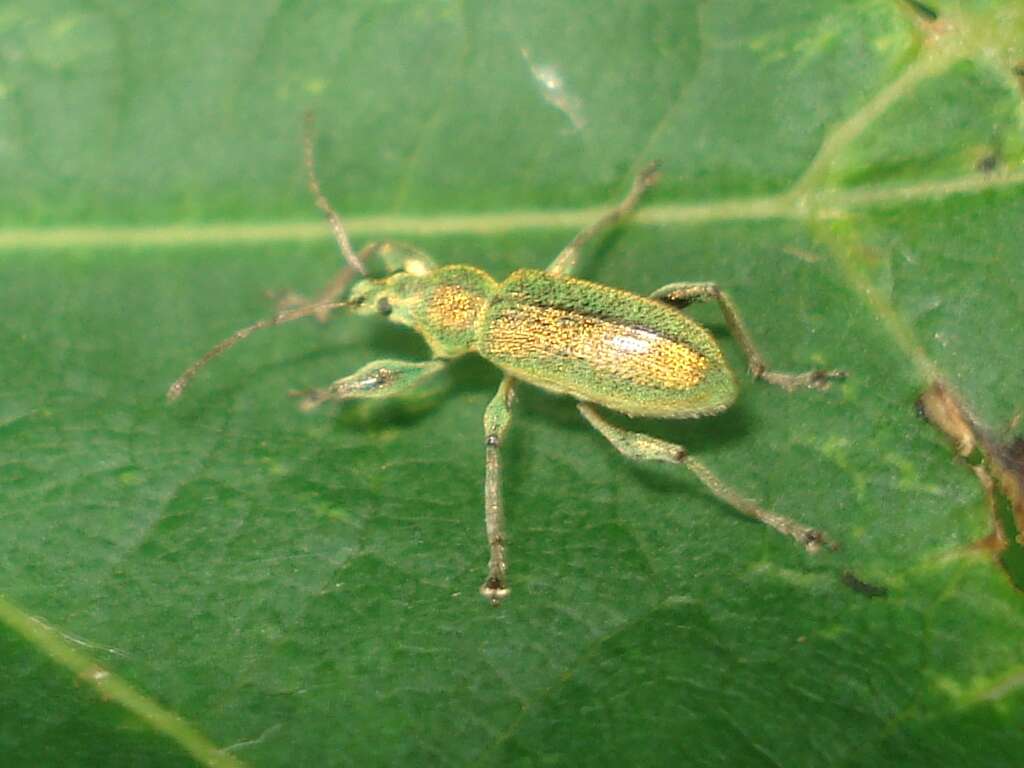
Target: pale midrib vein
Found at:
827, 203
111, 687
930, 63
1001, 688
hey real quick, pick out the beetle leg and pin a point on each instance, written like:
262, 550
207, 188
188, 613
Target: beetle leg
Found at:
381, 378
565, 262
686, 293
641, 447
496, 421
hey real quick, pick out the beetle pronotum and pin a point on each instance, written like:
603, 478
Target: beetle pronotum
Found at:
640, 356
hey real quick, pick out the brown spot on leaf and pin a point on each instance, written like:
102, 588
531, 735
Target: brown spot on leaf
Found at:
1008, 469
938, 406
1000, 471
995, 542
858, 585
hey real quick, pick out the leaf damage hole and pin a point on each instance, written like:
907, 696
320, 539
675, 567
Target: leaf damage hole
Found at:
998, 467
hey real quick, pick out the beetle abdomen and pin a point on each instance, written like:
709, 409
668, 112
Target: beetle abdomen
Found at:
604, 345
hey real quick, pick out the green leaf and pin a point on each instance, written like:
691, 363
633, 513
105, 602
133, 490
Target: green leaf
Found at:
231, 581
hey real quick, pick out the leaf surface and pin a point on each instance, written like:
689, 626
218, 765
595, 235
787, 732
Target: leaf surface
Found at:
231, 581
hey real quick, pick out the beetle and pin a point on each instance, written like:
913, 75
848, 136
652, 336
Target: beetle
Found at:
637, 355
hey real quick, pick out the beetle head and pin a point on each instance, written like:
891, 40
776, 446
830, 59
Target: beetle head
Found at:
395, 295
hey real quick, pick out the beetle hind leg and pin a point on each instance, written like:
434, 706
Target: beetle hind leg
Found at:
641, 447
686, 293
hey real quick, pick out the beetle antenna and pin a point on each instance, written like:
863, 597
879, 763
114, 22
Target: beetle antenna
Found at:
321, 201
175, 390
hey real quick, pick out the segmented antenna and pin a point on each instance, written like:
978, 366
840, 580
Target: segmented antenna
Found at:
321, 202
175, 390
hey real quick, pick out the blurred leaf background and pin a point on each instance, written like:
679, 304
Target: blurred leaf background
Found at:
229, 581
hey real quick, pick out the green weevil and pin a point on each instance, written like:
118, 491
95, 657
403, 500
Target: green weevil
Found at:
640, 356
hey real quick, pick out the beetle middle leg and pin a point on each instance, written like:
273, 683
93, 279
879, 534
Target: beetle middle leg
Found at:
565, 262
641, 447
381, 378
496, 421
687, 293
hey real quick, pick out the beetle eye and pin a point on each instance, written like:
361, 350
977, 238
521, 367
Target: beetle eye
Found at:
384, 306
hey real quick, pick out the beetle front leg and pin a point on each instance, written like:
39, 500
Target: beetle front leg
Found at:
687, 293
496, 421
381, 378
641, 447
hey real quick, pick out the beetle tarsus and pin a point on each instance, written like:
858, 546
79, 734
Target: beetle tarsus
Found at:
495, 590
818, 379
311, 398
823, 379
649, 175
814, 540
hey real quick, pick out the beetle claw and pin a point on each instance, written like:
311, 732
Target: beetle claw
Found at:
495, 590
649, 175
823, 379
814, 540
